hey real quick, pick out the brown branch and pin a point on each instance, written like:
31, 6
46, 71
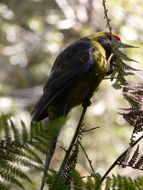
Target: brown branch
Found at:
85, 105
88, 130
118, 159
89, 161
108, 20
74, 139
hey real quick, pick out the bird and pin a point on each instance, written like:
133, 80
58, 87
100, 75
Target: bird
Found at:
75, 74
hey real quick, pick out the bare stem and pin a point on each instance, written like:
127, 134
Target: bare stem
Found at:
118, 159
88, 130
85, 105
89, 161
74, 138
108, 20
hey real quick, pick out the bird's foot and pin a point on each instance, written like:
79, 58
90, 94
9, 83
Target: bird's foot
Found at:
86, 103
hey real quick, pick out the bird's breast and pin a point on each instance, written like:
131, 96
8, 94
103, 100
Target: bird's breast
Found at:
80, 91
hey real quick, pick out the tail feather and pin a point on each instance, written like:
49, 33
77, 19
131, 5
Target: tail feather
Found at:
50, 152
61, 111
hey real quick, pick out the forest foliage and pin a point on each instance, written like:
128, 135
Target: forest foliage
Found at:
32, 34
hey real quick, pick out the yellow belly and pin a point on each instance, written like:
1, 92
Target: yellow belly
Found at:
80, 91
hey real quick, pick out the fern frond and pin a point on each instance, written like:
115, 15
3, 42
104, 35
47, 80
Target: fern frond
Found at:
70, 164
90, 184
25, 134
134, 158
56, 181
22, 161
97, 179
13, 170
127, 67
31, 154
123, 45
2, 186
133, 99
139, 182
10, 178
21, 147
121, 56
40, 147
15, 131
108, 183
7, 132
139, 163
77, 180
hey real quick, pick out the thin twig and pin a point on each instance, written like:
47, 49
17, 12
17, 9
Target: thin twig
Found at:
89, 161
133, 133
87, 130
85, 105
108, 20
115, 163
109, 78
74, 139
63, 148
117, 160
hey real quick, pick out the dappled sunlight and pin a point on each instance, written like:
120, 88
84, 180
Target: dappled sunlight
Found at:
5, 103
33, 33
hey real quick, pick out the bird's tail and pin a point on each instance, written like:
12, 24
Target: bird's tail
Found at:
61, 112
50, 152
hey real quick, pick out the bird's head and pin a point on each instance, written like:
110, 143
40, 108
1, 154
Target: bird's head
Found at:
106, 35
105, 39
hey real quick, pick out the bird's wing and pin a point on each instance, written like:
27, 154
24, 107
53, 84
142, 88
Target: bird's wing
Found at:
71, 64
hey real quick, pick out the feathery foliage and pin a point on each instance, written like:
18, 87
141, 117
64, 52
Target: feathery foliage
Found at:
133, 93
21, 147
92, 182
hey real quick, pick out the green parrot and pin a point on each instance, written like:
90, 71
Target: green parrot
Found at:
75, 74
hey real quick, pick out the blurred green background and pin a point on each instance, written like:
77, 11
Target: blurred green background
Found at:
32, 33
